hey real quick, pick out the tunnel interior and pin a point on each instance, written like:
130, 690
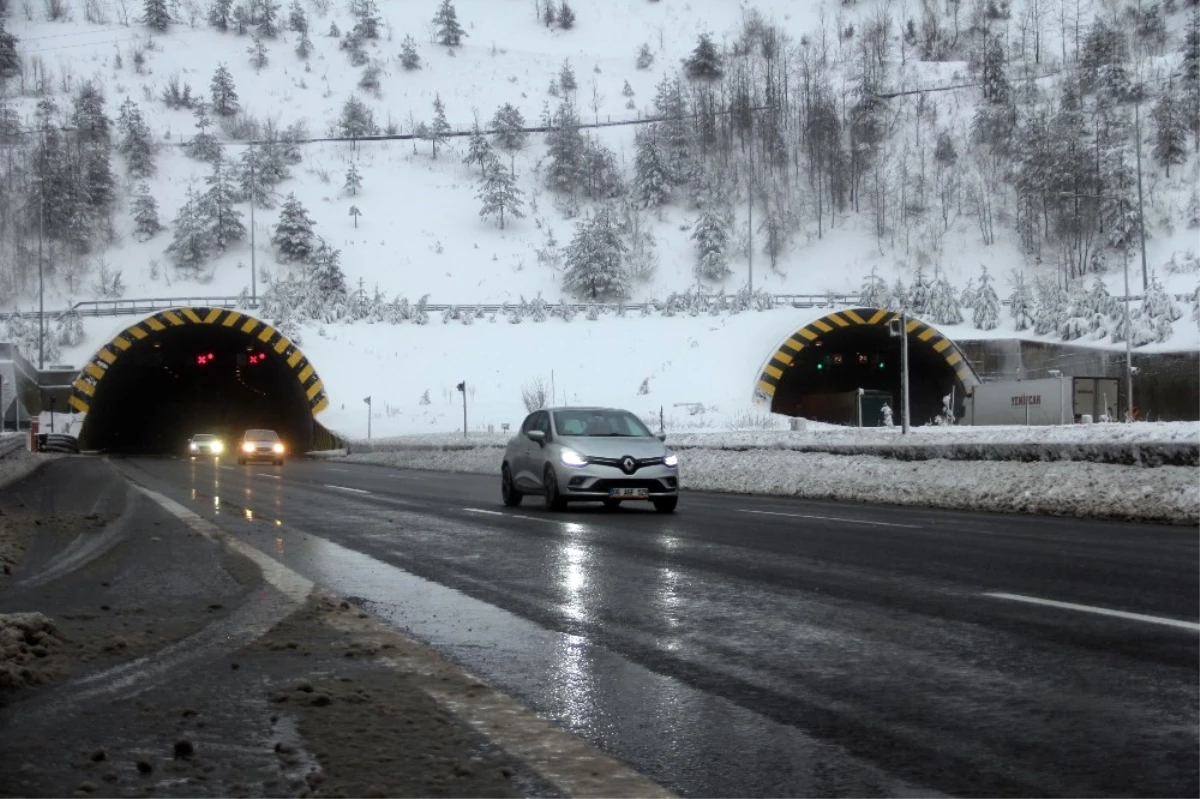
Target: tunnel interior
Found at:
821, 380
195, 379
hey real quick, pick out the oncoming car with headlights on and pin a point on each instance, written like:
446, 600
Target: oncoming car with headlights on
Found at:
261, 445
589, 455
205, 444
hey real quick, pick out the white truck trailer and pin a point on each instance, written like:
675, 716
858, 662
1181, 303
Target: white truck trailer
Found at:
1045, 401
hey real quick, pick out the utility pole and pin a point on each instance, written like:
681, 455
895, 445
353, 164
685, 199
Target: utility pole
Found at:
463, 388
1128, 345
1137, 134
253, 273
904, 416
41, 280
367, 400
750, 208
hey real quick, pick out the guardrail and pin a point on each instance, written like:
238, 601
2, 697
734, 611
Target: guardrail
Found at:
13, 443
146, 306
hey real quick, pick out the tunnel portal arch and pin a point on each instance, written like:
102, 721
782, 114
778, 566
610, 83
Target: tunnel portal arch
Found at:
851, 348
147, 363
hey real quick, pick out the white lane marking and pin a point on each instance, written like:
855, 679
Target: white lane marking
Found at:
515, 516
336, 469
272, 476
828, 518
347, 488
404, 477
229, 468
1120, 614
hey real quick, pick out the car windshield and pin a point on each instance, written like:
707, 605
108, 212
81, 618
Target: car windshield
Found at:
261, 435
203, 437
599, 423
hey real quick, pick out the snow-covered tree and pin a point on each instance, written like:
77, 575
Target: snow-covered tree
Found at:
448, 30
353, 180
986, 314
900, 299
1159, 310
594, 258
943, 303
293, 233
566, 16
220, 14
217, 208
356, 213
498, 191
258, 53
357, 120
327, 275
410, 59
509, 126
566, 148
224, 96
644, 57
204, 145
297, 18
711, 234
1020, 302
918, 294
255, 178
91, 123
1170, 130
440, 129
145, 214
705, 62
652, 177
566, 77
1051, 307
69, 329
304, 46
136, 143
268, 18
156, 15
478, 149
367, 20
627, 93
189, 245
874, 292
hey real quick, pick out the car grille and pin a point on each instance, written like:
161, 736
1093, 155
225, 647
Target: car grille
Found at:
654, 486
616, 462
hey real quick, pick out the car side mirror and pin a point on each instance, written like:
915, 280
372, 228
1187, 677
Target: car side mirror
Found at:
661, 436
537, 436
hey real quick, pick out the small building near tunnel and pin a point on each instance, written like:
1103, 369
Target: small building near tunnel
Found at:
187, 370
819, 368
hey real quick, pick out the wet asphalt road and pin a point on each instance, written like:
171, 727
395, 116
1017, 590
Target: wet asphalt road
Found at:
764, 646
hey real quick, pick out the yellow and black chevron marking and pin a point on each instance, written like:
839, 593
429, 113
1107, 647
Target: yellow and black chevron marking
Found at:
919, 334
85, 385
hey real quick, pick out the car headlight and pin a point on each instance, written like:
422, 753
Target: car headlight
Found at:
217, 446
247, 447
671, 460
570, 457
278, 449
193, 447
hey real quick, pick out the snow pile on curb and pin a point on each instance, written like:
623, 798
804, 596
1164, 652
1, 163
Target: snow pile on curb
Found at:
19, 464
26, 641
1065, 488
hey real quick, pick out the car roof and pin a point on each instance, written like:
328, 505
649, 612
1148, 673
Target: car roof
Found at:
204, 435
583, 408
260, 432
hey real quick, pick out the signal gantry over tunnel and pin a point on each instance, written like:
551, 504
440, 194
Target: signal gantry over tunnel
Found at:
189, 370
819, 367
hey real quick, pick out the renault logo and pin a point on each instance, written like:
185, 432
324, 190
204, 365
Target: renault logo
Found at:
628, 464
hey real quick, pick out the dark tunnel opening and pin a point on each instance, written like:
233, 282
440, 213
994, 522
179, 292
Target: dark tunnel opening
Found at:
820, 381
195, 379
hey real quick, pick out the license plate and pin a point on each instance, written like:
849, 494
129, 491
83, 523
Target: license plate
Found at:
629, 493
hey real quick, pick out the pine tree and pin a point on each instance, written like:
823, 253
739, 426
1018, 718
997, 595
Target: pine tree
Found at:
900, 300
711, 234
996, 89
328, 277
509, 126
353, 180
1159, 309
987, 304
704, 62
478, 149
367, 20
297, 19
216, 208
293, 232
594, 259
566, 150
445, 21
304, 47
255, 178
204, 145
644, 57
440, 127
1170, 131
550, 14
136, 143
145, 214
268, 19
156, 15
566, 16
498, 191
1020, 302
258, 54
874, 292
409, 58
943, 303
652, 178
1051, 307
224, 96
357, 120
566, 77
189, 246
918, 295
10, 60
627, 93
88, 117
356, 213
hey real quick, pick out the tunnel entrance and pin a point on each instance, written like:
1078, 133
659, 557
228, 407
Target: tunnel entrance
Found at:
817, 370
196, 370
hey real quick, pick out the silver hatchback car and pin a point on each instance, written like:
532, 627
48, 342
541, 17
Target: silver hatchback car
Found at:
589, 454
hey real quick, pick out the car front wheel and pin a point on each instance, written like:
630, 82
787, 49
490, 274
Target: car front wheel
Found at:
666, 504
554, 499
512, 497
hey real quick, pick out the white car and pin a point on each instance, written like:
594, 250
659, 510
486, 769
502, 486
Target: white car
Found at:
589, 455
205, 444
261, 445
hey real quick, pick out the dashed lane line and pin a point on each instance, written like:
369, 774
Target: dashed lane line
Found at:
513, 515
1119, 614
347, 488
829, 518
272, 476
